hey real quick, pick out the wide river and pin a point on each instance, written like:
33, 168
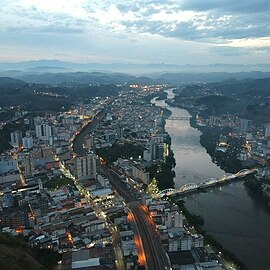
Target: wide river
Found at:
238, 222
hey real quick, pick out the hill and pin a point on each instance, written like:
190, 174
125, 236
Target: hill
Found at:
44, 97
6, 82
17, 254
249, 98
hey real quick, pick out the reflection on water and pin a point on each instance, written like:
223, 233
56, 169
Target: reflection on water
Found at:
193, 164
238, 222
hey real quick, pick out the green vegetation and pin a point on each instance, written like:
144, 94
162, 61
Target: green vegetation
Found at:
166, 113
194, 220
217, 105
127, 150
34, 97
162, 95
255, 187
226, 160
159, 95
5, 133
6, 84
87, 91
35, 102
4, 116
163, 173
259, 113
58, 182
246, 98
16, 254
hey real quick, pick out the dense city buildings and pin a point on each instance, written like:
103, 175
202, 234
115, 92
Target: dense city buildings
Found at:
84, 183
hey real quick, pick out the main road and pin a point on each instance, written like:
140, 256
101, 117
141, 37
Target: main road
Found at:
154, 254
150, 250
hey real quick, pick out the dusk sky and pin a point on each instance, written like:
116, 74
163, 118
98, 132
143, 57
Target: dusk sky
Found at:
144, 31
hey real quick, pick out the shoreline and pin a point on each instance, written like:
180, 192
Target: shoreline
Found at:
257, 195
209, 238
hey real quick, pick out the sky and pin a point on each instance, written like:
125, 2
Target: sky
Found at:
198, 32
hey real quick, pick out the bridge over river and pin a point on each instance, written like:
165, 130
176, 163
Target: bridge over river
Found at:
211, 182
179, 118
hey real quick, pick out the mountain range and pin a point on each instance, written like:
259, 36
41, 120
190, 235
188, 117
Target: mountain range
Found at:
61, 73
55, 71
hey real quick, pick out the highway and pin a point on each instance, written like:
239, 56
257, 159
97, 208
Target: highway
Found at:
118, 184
150, 250
120, 263
155, 256
79, 140
137, 240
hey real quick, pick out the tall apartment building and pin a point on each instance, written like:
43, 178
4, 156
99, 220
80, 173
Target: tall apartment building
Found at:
140, 173
86, 167
28, 165
267, 131
16, 138
44, 132
245, 125
156, 148
27, 142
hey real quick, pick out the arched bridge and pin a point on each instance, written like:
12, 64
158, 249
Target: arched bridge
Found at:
205, 183
209, 181
167, 192
187, 187
179, 118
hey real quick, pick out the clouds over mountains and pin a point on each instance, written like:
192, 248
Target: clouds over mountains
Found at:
230, 24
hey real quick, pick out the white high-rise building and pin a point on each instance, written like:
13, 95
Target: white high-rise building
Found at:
245, 125
168, 219
86, 167
28, 166
27, 142
140, 173
155, 149
178, 220
16, 138
147, 155
44, 132
267, 131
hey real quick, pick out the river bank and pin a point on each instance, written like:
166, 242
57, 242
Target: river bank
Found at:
228, 160
231, 215
197, 221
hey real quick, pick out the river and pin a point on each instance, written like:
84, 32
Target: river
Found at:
238, 222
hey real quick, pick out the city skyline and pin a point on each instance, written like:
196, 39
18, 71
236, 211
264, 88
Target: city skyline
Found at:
139, 32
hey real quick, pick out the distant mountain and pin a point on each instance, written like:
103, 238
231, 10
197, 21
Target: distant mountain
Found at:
31, 95
247, 87
248, 98
95, 77
75, 77
6, 82
180, 78
56, 66
57, 72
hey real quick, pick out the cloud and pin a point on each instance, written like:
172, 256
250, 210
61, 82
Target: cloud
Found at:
221, 26
229, 51
231, 6
187, 19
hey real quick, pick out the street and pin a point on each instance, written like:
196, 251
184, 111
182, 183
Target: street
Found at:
153, 251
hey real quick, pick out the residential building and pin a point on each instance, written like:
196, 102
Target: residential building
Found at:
85, 167
16, 138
